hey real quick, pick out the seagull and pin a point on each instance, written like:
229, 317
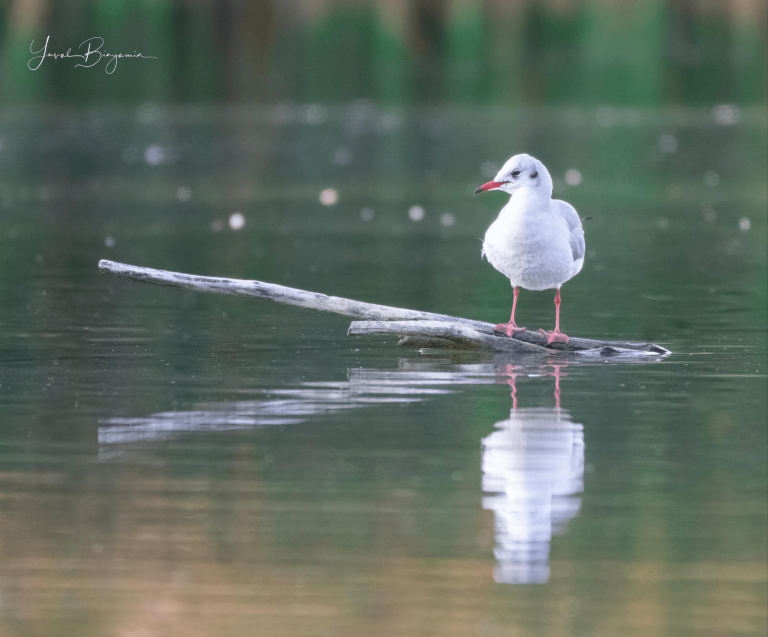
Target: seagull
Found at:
536, 241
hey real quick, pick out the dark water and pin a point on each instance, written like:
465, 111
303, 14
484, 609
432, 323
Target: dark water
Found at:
180, 463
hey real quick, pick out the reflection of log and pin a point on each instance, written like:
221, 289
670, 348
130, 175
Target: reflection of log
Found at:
424, 329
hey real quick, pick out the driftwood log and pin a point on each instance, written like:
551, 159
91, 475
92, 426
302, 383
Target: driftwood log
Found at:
418, 329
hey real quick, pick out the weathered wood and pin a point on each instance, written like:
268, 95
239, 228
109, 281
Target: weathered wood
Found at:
580, 344
432, 333
440, 335
417, 342
368, 311
282, 294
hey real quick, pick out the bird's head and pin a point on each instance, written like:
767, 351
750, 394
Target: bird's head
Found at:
521, 171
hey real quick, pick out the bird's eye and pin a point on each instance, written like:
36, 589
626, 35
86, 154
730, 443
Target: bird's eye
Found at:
515, 173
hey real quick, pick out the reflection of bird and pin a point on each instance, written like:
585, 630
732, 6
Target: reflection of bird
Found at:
536, 241
532, 464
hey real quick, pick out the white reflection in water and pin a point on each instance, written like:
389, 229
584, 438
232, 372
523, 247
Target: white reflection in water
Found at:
296, 406
365, 387
533, 464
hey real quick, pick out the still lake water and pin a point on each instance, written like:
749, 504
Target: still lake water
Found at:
180, 463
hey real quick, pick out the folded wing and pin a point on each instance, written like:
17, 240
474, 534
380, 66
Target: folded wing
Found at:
575, 232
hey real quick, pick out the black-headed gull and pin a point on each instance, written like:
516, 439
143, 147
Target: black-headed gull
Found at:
536, 241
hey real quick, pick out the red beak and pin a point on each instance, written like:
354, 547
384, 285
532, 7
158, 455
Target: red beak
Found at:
491, 185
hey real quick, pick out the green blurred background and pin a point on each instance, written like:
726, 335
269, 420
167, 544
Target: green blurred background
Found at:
566, 52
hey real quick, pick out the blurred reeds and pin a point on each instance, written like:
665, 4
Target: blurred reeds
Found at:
644, 52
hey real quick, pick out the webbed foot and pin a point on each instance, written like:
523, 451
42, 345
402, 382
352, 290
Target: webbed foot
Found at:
506, 329
555, 336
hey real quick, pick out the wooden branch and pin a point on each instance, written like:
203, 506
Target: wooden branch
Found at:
441, 335
461, 333
282, 294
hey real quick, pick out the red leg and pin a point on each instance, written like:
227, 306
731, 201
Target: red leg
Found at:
556, 336
510, 328
511, 382
557, 374
508, 375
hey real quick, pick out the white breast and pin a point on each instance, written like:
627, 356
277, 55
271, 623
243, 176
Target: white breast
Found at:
529, 244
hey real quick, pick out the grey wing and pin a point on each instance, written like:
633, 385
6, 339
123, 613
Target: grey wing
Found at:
576, 232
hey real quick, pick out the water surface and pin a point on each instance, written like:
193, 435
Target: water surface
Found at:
176, 462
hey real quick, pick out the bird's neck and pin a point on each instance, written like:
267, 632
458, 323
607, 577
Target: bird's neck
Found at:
530, 196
